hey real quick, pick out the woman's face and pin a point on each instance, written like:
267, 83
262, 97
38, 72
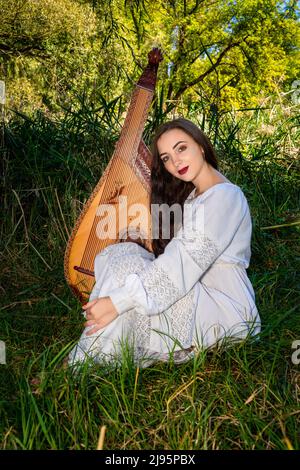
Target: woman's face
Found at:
181, 155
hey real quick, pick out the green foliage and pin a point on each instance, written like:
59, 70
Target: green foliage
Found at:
69, 67
244, 397
51, 50
232, 52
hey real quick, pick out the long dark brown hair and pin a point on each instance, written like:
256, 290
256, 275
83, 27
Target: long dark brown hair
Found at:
165, 188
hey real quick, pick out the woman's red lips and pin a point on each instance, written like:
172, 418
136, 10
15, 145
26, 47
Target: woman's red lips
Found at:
183, 170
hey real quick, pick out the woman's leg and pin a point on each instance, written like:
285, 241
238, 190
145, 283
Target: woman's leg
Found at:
131, 329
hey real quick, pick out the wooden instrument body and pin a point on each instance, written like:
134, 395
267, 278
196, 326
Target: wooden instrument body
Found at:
120, 203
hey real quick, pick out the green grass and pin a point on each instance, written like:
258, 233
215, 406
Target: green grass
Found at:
243, 397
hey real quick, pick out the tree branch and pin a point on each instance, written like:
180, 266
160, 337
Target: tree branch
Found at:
28, 50
201, 77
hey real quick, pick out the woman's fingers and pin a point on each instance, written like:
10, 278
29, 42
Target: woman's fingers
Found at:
89, 304
90, 309
88, 315
93, 323
90, 322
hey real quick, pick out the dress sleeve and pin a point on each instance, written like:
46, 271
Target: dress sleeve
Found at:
209, 226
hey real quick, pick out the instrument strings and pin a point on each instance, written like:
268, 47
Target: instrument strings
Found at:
128, 143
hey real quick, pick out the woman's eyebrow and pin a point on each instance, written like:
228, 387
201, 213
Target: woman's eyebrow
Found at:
174, 146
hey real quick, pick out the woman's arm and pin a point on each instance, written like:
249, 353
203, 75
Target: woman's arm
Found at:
188, 255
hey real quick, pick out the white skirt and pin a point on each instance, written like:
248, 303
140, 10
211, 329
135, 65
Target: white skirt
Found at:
197, 321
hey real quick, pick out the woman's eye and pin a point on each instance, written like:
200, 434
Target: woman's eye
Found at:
165, 159
182, 148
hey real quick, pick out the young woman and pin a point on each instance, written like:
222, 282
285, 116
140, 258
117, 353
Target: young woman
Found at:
193, 291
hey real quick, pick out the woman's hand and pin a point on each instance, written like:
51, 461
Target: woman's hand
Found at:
99, 313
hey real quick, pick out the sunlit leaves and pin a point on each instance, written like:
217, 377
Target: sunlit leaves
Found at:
231, 51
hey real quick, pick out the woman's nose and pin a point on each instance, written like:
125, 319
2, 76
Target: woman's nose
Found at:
176, 160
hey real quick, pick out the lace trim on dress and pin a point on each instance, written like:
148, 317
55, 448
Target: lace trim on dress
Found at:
120, 269
181, 320
179, 316
159, 286
126, 248
200, 248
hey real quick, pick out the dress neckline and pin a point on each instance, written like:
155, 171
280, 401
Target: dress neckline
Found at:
192, 196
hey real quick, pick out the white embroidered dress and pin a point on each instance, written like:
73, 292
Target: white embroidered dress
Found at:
194, 294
